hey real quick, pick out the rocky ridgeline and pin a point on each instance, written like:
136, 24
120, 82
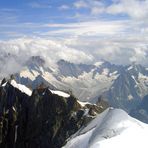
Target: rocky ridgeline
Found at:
42, 120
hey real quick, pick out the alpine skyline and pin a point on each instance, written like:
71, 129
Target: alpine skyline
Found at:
114, 30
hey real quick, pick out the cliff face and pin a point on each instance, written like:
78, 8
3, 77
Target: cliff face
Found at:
42, 120
141, 111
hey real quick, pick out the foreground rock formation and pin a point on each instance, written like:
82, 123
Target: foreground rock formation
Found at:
41, 119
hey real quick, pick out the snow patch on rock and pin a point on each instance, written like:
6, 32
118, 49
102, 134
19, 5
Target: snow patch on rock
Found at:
21, 87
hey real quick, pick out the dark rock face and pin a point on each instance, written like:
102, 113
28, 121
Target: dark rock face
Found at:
120, 91
71, 69
141, 111
12, 104
43, 120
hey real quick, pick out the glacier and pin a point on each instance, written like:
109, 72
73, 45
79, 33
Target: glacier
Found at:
114, 128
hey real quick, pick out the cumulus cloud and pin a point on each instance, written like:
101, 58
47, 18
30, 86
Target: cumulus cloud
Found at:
136, 9
15, 52
9, 66
117, 49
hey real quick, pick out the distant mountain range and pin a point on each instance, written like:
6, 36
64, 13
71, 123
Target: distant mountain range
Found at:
39, 106
123, 86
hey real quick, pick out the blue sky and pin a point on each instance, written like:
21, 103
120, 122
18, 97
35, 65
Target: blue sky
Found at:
35, 11
115, 30
30, 17
37, 17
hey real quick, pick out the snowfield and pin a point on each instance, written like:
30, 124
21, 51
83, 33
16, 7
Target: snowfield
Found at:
114, 128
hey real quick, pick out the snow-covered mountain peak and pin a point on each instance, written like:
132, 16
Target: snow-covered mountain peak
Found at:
113, 128
38, 64
36, 61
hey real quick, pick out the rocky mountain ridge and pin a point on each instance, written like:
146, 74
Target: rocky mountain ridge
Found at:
123, 86
41, 118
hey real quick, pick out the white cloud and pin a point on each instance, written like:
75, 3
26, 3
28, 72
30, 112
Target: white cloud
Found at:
14, 53
95, 7
64, 7
137, 9
81, 4
119, 49
97, 10
93, 28
141, 55
120, 42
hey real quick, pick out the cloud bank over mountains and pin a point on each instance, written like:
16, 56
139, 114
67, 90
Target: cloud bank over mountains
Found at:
81, 31
77, 50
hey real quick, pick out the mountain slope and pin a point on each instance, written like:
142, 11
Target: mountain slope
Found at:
123, 93
123, 86
113, 128
141, 111
40, 118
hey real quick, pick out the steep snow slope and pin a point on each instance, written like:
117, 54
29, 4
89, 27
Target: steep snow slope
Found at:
114, 128
21, 87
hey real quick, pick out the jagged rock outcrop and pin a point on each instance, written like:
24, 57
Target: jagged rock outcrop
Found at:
42, 120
